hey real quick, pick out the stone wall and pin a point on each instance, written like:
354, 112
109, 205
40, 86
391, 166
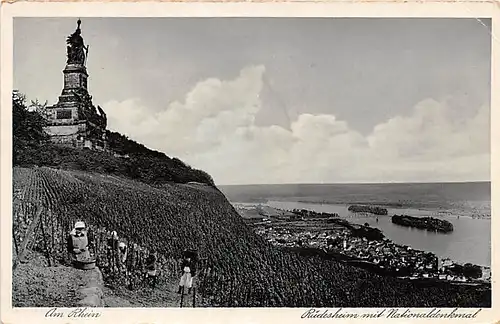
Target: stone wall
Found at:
67, 134
62, 130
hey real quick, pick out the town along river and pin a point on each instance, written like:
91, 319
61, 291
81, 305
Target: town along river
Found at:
470, 240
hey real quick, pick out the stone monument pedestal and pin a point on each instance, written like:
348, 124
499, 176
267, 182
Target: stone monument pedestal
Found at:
74, 120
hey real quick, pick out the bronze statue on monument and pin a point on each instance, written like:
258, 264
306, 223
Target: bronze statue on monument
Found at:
76, 49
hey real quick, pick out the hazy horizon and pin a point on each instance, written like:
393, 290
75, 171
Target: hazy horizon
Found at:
467, 197
349, 183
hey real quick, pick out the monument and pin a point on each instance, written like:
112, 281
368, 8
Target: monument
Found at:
74, 120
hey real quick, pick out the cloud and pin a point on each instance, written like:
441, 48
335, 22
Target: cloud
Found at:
214, 129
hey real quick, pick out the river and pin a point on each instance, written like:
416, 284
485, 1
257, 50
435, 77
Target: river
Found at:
469, 242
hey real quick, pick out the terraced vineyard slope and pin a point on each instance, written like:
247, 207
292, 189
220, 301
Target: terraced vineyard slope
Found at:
240, 268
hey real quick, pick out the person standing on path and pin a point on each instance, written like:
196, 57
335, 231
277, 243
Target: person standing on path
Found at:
189, 271
112, 251
78, 244
151, 273
122, 256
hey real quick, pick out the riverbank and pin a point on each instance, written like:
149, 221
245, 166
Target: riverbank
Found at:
470, 241
335, 235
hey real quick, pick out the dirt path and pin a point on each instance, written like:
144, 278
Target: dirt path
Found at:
162, 296
34, 284
37, 285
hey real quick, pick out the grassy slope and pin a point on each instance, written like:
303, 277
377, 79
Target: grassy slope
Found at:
244, 268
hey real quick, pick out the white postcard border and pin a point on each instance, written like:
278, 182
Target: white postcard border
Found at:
471, 9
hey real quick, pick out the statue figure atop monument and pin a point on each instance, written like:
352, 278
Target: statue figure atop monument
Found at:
77, 51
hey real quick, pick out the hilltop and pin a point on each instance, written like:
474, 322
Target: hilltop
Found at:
163, 209
31, 147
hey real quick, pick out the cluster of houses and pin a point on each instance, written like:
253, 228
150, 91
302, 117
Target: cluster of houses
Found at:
336, 236
383, 255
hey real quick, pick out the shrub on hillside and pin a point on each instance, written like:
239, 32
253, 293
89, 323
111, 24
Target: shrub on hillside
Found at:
27, 130
472, 271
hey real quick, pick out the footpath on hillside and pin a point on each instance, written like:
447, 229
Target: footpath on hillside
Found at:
163, 296
42, 219
35, 284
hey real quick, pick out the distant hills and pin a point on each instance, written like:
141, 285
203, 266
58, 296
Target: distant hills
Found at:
419, 195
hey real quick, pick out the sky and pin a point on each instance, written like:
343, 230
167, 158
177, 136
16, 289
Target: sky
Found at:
284, 100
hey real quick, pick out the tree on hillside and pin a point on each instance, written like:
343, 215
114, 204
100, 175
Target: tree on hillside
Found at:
40, 108
27, 128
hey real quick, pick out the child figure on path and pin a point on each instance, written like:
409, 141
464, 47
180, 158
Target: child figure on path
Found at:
189, 271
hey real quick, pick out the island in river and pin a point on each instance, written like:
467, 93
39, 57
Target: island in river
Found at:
368, 209
427, 223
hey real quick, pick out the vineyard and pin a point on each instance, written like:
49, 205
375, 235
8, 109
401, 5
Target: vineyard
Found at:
239, 268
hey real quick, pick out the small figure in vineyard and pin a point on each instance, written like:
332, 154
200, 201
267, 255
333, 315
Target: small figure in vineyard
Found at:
132, 257
122, 256
151, 268
189, 271
112, 249
78, 243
